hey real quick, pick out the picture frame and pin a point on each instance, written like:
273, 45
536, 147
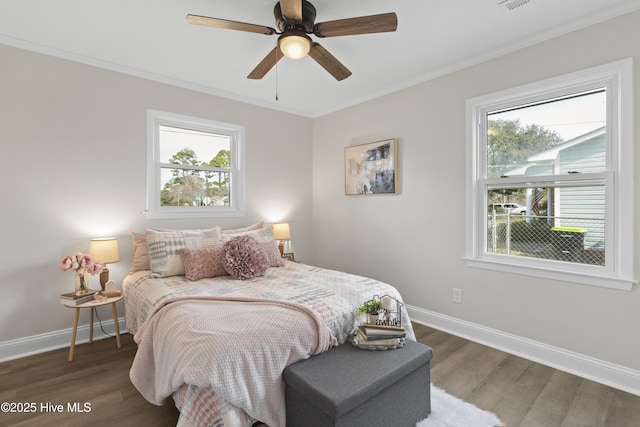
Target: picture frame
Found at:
289, 256
371, 168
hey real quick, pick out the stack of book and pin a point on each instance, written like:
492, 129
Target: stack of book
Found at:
72, 299
380, 335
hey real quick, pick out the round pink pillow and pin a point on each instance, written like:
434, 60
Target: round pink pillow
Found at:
244, 258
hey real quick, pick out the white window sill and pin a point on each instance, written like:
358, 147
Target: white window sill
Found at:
193, 214
602, 281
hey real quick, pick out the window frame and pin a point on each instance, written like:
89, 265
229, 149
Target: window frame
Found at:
618, 272
154, 210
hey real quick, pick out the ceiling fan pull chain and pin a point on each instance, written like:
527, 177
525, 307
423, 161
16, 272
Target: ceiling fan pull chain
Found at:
276, 79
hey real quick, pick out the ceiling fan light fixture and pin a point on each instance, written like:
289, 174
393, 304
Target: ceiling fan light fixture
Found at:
295, 45
297, 18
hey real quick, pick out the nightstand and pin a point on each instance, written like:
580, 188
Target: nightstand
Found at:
91, 305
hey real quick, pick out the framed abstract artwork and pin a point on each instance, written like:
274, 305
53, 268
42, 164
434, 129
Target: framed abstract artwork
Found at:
371, 168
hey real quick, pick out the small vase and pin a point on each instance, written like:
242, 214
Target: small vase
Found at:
82, 284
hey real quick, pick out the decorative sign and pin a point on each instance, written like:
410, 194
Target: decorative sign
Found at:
390, 313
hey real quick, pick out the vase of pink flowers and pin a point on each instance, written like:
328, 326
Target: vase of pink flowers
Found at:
82, 265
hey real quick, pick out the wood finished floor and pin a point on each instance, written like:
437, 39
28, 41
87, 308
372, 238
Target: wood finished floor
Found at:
522, 393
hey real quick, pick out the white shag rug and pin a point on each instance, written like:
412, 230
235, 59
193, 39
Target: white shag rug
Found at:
449, 411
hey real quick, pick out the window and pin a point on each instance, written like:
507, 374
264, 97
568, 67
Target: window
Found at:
194, 167
550, 178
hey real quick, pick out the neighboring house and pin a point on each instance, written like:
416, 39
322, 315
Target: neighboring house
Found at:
579, 207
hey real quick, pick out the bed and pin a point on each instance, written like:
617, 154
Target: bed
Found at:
218, 345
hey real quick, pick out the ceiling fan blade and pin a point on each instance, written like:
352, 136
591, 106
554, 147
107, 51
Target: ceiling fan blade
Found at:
292, 9
229, 25
266, 64
329, 62
382, 23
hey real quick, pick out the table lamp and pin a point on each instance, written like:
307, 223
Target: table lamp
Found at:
281, 232
105, 250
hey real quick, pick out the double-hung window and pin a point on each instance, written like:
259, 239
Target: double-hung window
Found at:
550, 178
194, 167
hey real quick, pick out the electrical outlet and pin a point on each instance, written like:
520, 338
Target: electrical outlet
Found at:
457, 295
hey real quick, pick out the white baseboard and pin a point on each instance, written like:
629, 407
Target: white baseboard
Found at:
22, 347
587, 367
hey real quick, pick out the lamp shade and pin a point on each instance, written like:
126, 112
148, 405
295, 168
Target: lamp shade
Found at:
105, 250
295, 46
281, 231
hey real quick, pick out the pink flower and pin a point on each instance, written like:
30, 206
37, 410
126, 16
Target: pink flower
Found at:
66, 263
85, 261
96, 268
81, 263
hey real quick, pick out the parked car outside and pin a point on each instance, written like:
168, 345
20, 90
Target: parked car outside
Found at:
513, 208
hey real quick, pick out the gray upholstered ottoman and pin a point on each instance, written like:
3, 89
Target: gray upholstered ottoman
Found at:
350, 387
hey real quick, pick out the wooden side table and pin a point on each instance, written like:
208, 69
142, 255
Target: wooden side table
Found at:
91, 305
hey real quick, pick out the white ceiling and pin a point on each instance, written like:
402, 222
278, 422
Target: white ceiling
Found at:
151, 39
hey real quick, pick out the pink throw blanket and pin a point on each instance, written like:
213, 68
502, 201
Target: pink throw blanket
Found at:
234, 360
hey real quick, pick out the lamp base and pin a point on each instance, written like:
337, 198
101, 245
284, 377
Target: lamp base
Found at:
281, 247
104, 277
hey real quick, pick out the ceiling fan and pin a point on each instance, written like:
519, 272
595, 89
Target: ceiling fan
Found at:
295, 19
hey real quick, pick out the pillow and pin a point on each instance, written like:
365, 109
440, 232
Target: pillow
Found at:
264, 235
267, 230
202, 262
271, 250
164, 248
244, 258
141, 260
255, 226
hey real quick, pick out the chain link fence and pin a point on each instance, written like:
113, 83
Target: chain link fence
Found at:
578, 240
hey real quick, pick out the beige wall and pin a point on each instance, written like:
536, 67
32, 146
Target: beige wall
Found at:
72, 145
415, 240
72, 148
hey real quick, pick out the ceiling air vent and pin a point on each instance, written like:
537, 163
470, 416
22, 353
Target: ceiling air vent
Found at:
512, 4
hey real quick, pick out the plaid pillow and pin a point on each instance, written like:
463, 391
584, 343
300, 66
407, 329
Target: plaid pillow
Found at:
164, 248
